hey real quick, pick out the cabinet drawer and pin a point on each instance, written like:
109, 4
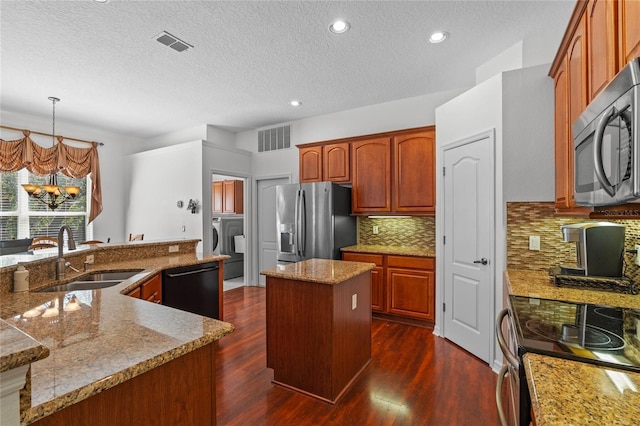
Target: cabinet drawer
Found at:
410, 262
362, 257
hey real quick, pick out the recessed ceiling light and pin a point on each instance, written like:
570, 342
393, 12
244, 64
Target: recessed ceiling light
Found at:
101, 1
339, 27
295, 103
438, 37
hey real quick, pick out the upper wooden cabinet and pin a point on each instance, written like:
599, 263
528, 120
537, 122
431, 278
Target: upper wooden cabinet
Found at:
414, 160
331, 162
227, 196
628, 31
602, 36
371, 169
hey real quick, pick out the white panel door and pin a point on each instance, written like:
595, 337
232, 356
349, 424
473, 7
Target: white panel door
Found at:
469, 232
267, 232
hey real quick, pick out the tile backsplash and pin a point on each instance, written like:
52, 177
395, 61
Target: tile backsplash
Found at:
412, 231
526, 219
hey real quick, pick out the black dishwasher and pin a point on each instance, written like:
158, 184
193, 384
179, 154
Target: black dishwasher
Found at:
193, 289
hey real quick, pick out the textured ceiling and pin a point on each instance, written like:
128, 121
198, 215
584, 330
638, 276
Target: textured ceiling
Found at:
250, 58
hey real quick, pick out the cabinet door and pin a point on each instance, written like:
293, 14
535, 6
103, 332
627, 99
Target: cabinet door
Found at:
629, 30
562, 145
371, 175
377, 277
310, 164
414, 172
411, 293
336, 162
135, 293
152, 290
601, 25
216, 197
232, 197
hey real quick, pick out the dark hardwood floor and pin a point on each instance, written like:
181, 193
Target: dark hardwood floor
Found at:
415, 378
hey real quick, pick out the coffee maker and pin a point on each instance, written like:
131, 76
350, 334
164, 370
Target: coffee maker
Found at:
599, 248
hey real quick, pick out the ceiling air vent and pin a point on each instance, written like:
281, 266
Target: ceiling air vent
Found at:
274, 139
172, 41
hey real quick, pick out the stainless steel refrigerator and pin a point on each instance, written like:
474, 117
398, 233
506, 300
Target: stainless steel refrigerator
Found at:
314, 221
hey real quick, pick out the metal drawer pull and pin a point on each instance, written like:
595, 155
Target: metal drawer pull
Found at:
181, 274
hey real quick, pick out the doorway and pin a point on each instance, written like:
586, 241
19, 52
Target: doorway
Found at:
469, 246
266, 222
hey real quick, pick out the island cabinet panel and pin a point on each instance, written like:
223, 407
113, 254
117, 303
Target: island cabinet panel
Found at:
377, 277
310, 164
601, 26
336, 162
414, 171
316, 343
629, 30
180, 392
371, 169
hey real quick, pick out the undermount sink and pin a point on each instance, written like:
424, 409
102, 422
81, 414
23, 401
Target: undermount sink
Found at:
93, 281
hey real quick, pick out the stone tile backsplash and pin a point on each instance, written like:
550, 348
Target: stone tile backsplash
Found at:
525, 219
413, 231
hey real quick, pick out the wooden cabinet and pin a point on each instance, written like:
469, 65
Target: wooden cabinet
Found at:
414, 171
377, 277
310, 164
401, 286
628, 31
562, 145
601, 30
325, 163
150, 290
371, 170
227, 196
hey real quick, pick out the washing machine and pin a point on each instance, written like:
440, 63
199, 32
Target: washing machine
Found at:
224, 230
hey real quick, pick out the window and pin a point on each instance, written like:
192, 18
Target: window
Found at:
24, 217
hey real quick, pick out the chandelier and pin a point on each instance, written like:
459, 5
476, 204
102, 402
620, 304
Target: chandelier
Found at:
52, 194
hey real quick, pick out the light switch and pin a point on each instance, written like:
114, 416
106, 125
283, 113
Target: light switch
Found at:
375, 229
534, 242
354, 301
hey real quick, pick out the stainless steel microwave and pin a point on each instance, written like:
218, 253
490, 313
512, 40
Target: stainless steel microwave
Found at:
607, 143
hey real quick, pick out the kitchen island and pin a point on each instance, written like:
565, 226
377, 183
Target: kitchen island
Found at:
318, 325
115, 359
565, 391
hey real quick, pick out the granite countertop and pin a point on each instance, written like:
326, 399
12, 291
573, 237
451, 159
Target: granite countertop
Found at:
538, 284
397, 250
109, 339
17, 348
565, 392
323, 271
572, 392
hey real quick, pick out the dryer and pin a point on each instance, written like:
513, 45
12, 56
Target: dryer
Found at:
224, 230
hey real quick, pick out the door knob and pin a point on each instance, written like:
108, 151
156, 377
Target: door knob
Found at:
484, 261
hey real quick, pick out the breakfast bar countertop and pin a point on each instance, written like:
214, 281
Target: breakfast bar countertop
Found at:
323, 271
105, 337
565, 392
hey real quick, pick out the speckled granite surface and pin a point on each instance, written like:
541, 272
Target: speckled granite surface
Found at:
18, 349
566, 392
397, 250
323, 271
538, 284
110, 337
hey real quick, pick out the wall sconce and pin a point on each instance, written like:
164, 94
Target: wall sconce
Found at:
193, 206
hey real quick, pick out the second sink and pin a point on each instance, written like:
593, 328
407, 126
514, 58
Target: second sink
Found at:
94, 281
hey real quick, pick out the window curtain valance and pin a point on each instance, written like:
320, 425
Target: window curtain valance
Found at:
70, 160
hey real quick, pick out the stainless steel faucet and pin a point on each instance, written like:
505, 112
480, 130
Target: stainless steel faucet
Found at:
60, 263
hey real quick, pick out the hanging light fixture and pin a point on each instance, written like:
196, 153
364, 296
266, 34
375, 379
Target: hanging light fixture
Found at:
52, 194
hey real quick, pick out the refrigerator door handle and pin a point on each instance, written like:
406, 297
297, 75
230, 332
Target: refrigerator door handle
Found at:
296, 220
303, 223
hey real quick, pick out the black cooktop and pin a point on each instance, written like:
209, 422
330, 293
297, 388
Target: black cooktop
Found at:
602, 335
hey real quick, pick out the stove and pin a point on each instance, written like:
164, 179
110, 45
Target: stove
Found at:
596, 334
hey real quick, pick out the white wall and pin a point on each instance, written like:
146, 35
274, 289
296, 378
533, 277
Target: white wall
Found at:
159, 179
110, 223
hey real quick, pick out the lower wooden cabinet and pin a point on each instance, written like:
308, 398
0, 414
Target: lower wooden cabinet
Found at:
402, 286
150, 291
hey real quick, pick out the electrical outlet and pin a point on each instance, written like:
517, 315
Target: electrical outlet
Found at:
637, 262
89, 259
375, 229
173, 249
534, 242
354, 301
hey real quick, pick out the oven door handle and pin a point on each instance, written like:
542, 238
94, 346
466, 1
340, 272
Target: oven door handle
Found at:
511, 358
597, 151
503, 372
